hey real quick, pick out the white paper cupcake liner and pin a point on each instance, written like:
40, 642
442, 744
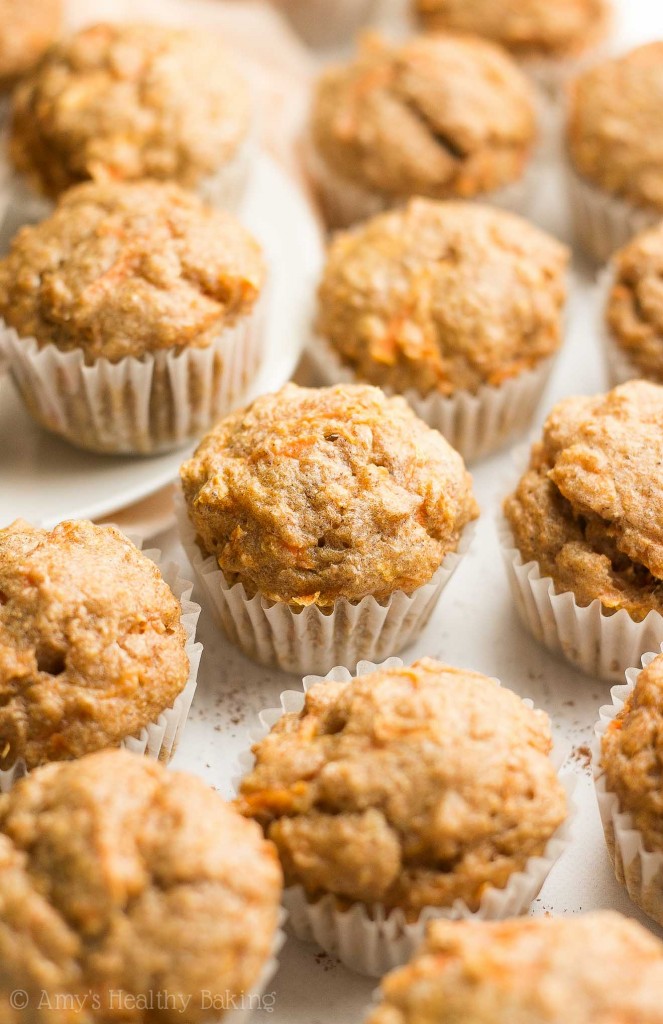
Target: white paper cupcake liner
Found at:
474, 424
603, 223
374, 940
136, 406
310, 640
598, 644
639, 870
159, 739
327, 23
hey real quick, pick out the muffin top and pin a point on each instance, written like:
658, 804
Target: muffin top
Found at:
443, 296
119, 878
125, 269
314, 494
28, 27
528, 28
632, 753
91, 643
614, 126
634, 310
127, 101
441, 116
583, 509
408, 787
598, 968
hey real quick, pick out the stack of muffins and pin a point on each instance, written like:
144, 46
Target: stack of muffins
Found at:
406, 815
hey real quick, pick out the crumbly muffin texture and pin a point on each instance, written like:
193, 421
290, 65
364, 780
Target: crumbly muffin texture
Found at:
91, 643
439, 116
408, 787
584, 510
632, 755
310, 495
440, 297
125, 269
528, 28
598, 968
634, 310
614, 122
28, 28
119, 880
118, 102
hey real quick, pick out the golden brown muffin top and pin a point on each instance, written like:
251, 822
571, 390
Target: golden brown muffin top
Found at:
598, 968
634, 310
528, 28
632, 755
118, 102
442, 116
28, 27
583, 509
614, 125
443, 297
409, 787
91, 642
314, 494
125, 269
119, 878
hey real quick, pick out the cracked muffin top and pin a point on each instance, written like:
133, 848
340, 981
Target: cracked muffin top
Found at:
614, 126
91, 643
440, 116
634, 310
409, 787
632, 755
442, 297
583, 509
28, 27
125, 269
540, 971
117, 102
314, 494
119, 878
528, 28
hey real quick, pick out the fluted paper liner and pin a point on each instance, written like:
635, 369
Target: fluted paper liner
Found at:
603, 223
325, 23
598, 644
136, 406
638, 869
159, 739
474, 424
311, 640
374, 940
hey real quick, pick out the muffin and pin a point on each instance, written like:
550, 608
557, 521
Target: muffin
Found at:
404, 794
615, 150
598, 968
130, 316
130, 892
121, 102
323, 524
626, 769
442, 116
633, 309
583, 550
457, 306
92, 645
28, 28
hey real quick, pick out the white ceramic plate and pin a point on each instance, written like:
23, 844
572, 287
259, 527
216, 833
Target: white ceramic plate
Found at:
45, 480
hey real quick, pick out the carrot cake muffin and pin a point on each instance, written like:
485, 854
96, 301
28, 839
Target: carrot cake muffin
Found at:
143, 271
598, 968
28, 28
409, 787
615, 149
440, 116
634, 307
118, 102
129, 891
92, 647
